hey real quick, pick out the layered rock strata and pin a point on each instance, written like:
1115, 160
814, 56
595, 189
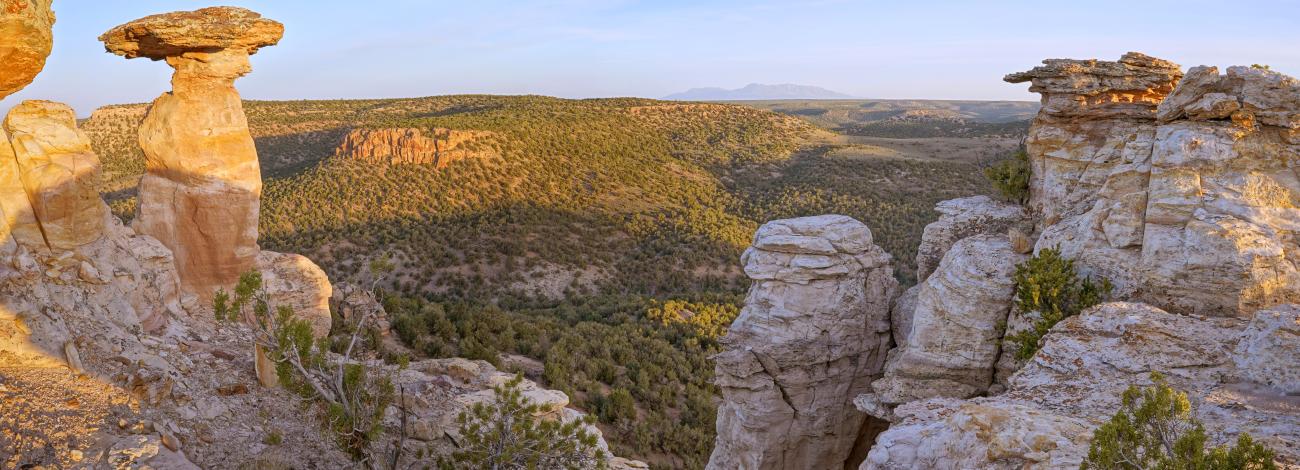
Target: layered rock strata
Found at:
812, 335
59, 174
201, 191
405, 146
1194, 212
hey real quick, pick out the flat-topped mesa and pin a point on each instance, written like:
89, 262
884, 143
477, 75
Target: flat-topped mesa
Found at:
26, 37
201, 191
812, 336
1131, 87
411, 146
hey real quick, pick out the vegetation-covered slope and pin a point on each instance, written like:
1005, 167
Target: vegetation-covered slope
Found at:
602, 239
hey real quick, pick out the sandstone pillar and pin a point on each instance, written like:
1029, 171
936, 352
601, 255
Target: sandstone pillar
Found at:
201, 192
26, 38
813, 334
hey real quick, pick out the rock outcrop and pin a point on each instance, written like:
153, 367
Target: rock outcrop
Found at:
961, 218
26, 37
1096, 115
1194, 213
59, 175
1269, 349
400, 146
1074, 384
201, 191
294, 281
812, 335
957, 327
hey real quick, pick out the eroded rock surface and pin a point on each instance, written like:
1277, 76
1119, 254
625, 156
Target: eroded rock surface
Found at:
26, 37
1194, 213
812, 335
961, 218
398, 146
59, 174
1095, 115
1074, 384
201, 191
960, 314
292, 280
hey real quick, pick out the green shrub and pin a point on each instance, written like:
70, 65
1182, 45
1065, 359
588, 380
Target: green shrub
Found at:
507, 433
1011, 177
1048, 284
1154, 429
221, 306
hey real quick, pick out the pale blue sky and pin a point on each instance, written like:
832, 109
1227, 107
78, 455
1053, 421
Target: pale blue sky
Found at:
589, 48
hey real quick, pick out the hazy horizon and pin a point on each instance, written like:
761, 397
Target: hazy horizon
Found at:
589, 49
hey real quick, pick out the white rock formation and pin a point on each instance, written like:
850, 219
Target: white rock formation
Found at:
1074, 383
1269, 350
812, 335
961, 218
1194, 213
961, 312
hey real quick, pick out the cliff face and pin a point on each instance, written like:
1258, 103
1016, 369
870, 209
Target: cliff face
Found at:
1181, 190
403, 146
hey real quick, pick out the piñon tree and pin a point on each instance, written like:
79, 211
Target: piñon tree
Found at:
1155, 429
506, 434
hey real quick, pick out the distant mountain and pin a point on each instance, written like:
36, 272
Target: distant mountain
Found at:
758, 91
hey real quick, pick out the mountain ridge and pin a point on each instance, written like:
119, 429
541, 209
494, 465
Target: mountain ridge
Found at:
759, 91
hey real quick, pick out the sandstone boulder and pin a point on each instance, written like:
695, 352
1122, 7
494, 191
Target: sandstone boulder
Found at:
59, 173
812, 335
961, 218
294, 281
201, 191
961, 312
26, 37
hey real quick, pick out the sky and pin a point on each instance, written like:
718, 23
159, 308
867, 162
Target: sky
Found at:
593, 48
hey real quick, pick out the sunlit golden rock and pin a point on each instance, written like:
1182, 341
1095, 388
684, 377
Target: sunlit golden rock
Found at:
59, 174
201, 192
25, 41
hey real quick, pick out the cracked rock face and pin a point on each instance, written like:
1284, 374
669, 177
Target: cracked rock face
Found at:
51, 161
1190, 206
201, 191
961, 218
812, 335
1073, 384
960, 314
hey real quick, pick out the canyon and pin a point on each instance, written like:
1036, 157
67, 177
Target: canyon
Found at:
1176, 187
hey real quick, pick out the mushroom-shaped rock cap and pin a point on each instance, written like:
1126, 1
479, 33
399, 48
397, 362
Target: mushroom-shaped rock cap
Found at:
207, 30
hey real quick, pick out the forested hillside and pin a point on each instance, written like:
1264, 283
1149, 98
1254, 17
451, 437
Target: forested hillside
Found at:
601, 237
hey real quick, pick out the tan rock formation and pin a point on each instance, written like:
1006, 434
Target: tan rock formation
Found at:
1195, 213
1269, 350
1074, 384
812, 335
411, 146
294, 281
960, 314
26, 37
59, 174
1095, 115
201, 192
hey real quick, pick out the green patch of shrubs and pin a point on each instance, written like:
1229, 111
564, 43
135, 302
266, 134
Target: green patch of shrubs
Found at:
1155, 429
1048, 285
1011, 177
